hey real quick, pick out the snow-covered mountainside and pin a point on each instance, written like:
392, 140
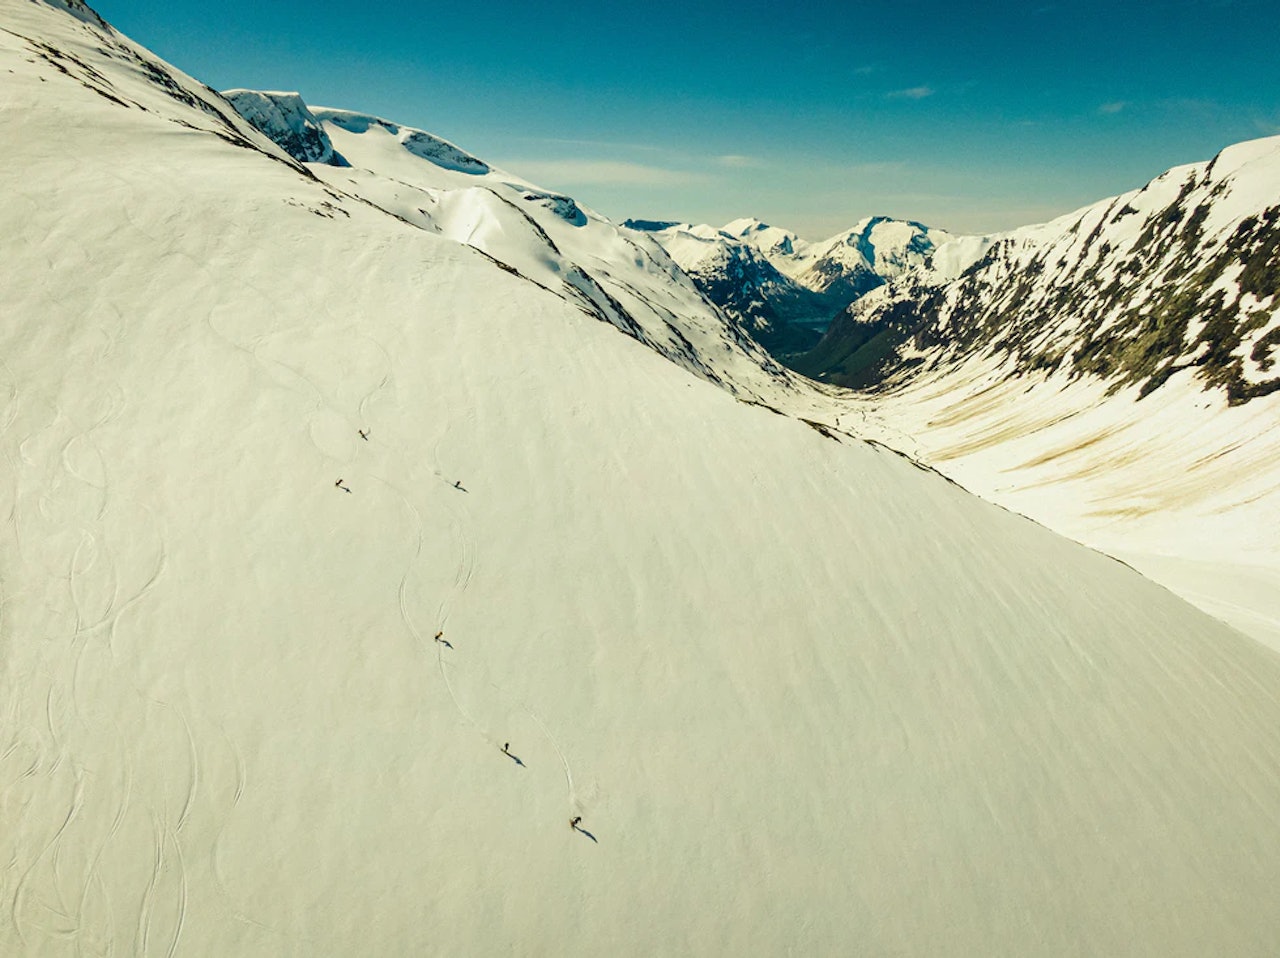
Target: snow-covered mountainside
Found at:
618, 276
1181, 274
1111, 374
362, 592
783, 288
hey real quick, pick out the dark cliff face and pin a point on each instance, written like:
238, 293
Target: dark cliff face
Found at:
285, 119
1131, 291
744, 271
779, 314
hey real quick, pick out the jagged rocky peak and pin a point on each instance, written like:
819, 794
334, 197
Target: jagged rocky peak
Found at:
287, 120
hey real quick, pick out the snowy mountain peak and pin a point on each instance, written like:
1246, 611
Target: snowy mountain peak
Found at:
79, 10
887, 246
771, 279
746, 226
426, 146
773, 241
300, 131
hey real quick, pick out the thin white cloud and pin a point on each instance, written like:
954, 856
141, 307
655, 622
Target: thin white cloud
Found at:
912, 93
737, 161
603, 145
601, 173
1115, 106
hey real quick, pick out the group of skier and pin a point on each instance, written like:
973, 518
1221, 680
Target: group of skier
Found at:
575, 822
364, 434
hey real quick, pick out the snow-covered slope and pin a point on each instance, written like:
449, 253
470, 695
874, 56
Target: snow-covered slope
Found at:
615, 275
1179, 484
264, 440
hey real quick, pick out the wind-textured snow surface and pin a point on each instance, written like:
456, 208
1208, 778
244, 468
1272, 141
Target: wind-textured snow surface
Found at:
264, 440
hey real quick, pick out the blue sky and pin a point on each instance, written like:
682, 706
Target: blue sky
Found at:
970, 116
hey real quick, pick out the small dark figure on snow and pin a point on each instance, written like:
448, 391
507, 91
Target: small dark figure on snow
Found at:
342, 487
457, 484
506, 750
364, 434
574, 822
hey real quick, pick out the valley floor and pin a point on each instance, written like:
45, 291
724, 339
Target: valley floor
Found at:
1178, 485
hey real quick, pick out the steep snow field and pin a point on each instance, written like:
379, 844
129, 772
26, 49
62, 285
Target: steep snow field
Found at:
617, 275
807, 698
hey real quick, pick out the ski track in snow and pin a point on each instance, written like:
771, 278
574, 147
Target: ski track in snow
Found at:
60, 495
465, 569
81, 516
467, 562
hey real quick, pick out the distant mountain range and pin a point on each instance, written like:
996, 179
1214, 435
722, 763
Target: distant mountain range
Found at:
1181, 274
782, 288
